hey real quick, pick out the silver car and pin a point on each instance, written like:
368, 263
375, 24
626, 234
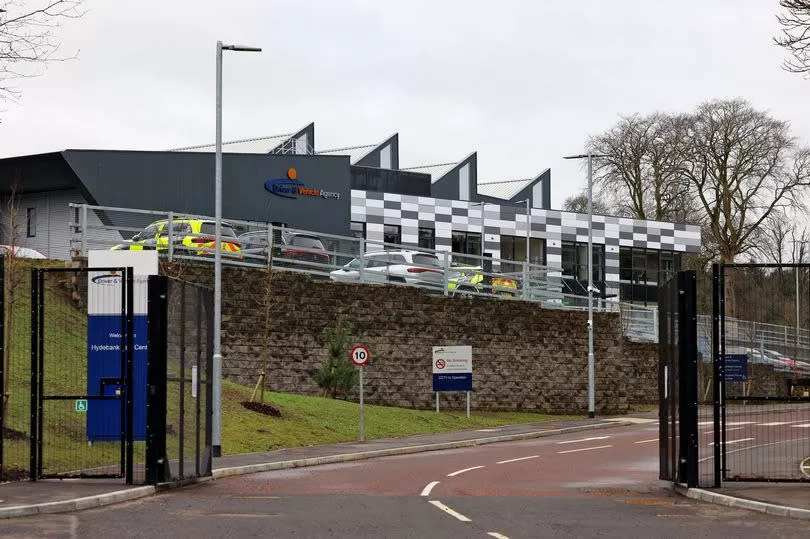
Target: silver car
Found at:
409, 267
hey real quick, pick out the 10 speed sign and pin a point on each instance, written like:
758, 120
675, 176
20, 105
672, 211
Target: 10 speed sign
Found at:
359, 355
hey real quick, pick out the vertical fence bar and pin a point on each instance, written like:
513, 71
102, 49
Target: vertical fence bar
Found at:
722, 372
156, 372
83, 226
2, 358
269, 246
170, 241
182, 418
687, 370
716, 284
130, 385
32, 442
199, 378
446, 272
40, 364
362, 271
122, 373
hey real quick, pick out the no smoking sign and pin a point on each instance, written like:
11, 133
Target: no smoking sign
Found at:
440, 364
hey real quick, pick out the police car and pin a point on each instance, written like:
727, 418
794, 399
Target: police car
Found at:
196, 236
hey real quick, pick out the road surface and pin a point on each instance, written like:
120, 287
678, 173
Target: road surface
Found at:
598, 483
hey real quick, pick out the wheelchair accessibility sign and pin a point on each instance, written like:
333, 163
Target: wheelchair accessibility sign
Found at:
81, 405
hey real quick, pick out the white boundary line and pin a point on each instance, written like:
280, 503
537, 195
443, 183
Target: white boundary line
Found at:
459, 472
584, 449
449, 511
583, 440
646, 441
428, 488
515, 460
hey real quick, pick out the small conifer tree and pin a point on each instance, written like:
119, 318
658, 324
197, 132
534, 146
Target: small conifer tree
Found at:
337, 374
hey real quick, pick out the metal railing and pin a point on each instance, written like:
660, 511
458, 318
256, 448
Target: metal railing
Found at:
345, 258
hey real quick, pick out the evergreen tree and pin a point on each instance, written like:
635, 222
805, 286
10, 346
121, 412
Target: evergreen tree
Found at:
337, 373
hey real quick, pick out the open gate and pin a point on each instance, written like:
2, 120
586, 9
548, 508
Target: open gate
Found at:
82, 373
761, 359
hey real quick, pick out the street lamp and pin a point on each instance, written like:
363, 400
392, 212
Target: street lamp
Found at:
591, 393
217, 356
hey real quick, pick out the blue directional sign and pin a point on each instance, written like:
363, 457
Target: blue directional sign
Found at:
736, 368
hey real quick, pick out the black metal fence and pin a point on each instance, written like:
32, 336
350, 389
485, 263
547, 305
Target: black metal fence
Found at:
764, 375
677, 379
180, 374
15, 369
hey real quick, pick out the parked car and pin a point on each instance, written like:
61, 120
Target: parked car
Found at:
191, 235
21, 252
294, 246
411, 267
467, 279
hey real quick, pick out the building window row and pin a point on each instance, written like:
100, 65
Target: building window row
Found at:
642, 270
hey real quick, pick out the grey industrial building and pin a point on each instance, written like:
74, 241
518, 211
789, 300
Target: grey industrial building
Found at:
356, 190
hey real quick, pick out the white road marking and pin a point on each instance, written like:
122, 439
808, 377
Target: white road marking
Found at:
646, 441
636, 420
428, 488
487, 430
459, 472
705, 422
727, 430
584, 449
584, 440
739, 423
750, 447
803, 426
497, 535
515, 460
774, 424
729, 442
449, 511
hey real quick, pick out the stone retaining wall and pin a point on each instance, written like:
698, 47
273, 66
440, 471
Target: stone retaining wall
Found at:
524, 357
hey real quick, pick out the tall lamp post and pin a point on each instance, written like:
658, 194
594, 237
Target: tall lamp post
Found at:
217, 356
591, 393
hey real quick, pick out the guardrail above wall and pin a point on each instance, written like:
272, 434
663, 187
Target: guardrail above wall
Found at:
341, 258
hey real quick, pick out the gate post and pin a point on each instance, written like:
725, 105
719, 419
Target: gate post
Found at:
130, 373
687, 370
717, 283
156, 374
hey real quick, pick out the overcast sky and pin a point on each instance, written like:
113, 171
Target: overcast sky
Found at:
522, 83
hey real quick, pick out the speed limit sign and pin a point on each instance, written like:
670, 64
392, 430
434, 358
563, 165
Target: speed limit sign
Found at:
359, 355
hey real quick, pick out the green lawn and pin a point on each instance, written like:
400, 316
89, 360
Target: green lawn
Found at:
316, 420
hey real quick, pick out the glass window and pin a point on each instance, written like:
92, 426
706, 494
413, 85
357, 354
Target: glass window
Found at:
575, 261
301, 240
466, 243
31, 222
391, 234
358, 230
397, 259
209, 229
427, 238
426, 260
514, 248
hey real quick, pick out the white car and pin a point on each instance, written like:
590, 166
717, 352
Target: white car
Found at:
410, 267
21, 252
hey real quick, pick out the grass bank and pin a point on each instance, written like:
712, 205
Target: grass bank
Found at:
309, 420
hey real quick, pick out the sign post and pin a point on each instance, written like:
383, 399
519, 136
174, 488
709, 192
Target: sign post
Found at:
360, 356
452, 371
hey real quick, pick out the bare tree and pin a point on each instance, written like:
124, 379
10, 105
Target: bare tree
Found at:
773, 237
28, 37
795, 37
641, 173
579, 204
742, 165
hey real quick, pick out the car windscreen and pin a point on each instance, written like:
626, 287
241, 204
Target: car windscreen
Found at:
426, 260
209, 230
312, 242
